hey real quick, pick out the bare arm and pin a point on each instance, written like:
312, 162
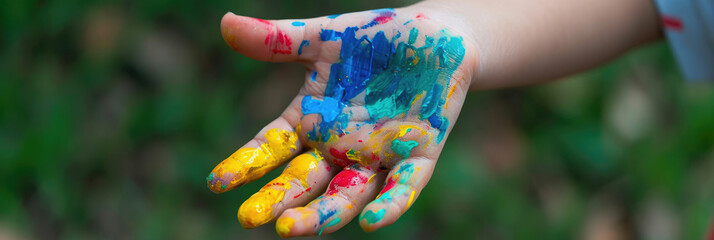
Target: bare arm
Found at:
524, 42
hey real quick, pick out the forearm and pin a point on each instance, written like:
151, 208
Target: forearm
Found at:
522, 42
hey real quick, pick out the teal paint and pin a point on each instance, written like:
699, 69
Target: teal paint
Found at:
391, 75
330, 224
405, 172
403, 148
373, 217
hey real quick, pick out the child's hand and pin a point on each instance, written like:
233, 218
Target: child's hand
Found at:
382, 90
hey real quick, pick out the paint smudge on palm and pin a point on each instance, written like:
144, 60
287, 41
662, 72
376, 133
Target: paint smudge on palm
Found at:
248, 164
391, 76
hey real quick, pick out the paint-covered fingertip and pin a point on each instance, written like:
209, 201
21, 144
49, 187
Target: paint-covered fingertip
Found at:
300, 221
216, 184
369, 219
366, 227
230, 24
252, 214
284, 225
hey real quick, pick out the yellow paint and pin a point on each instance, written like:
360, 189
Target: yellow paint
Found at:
248, 164
333, 138
298, 128
349, 206
415, 61
302, 165
451, 91
353, 156
371, 178
411, 200
417, 97
384, 137
284, 225
404, 129
258, 209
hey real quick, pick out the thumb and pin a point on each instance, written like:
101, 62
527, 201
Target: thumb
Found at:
271, 40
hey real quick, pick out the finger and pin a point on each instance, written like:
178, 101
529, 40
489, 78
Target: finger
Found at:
403, 185
273, 146
347, 193
303, 179
271, 40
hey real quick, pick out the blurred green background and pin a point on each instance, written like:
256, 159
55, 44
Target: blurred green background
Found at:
113, 112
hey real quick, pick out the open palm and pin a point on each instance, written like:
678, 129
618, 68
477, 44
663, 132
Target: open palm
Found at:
382, 91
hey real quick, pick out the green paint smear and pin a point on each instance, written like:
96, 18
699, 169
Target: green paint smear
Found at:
373, 217
331, 223
403, 148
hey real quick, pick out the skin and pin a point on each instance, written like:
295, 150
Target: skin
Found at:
367, 150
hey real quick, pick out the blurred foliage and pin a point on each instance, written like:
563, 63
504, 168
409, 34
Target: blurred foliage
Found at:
113, 112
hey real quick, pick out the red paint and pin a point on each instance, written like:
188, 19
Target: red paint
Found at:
279, 42
359, 140
375, 157
421, 16
711, 233
385, 17
300, 194
388, 186
345, 179
266, 22
378, 125
340, 158
672, 23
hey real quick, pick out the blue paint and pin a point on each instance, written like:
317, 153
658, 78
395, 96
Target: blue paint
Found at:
298, 24
325, 214
326, 107
313, 77
355, 67
303, 44
329, 35
407, 22
333, 16
332, 117
391, 75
